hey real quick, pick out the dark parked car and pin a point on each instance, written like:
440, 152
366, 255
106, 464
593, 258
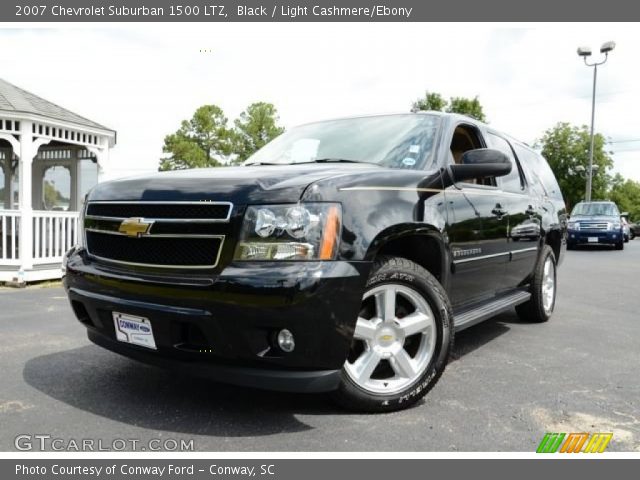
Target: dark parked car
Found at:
595, 223
341, 257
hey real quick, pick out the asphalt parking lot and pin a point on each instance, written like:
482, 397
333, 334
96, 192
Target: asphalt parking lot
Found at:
508, 382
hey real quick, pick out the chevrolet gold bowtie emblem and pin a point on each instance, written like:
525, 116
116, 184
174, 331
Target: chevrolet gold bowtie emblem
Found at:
135, 227
387, 338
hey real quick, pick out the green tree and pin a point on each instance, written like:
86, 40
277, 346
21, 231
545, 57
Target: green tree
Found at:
467, 106
464, 106
203, 141
626, 194
257, 126
431, 101
566, 147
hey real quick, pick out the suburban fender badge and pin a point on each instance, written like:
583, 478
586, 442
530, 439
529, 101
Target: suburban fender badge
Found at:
135, 227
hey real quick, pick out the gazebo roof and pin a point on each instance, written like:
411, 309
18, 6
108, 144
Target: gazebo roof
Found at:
16, 100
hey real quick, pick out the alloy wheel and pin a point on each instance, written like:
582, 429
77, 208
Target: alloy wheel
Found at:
394, 339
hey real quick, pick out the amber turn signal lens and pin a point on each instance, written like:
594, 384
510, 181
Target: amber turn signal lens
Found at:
329, 243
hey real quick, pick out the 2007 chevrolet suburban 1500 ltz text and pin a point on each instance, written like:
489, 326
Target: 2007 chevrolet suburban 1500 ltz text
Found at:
340, 258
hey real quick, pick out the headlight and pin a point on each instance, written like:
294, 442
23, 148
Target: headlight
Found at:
306, 231
573, 226
616, 225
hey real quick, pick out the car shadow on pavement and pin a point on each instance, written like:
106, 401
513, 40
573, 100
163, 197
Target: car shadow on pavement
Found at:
120, 389
105, 384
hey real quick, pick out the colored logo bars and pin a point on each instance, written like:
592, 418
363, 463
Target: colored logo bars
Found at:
574, 442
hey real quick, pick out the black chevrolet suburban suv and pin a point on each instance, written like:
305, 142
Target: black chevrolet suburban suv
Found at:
340, 258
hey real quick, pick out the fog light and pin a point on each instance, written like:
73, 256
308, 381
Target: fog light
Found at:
286, 341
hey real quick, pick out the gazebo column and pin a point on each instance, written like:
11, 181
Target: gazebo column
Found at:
102, 157
7, 201
74, 188
27, 152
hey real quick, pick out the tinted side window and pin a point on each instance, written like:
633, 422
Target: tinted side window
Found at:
538, 171
513, 181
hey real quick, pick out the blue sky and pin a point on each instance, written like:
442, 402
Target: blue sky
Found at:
142, 80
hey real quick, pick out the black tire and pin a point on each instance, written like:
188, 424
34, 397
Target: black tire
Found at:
401, 272
534, 310
571, 246
620, 245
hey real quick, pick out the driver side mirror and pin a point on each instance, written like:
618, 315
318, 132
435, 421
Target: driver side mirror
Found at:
481, 162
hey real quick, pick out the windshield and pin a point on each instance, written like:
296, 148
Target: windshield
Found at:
395, 141
605, 209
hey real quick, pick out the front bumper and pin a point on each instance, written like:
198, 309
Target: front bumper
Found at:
609, 237
224, 326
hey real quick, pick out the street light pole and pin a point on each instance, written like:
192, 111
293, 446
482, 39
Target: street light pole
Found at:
585, 52
593, 115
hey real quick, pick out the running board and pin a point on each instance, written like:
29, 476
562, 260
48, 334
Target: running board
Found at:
469, 317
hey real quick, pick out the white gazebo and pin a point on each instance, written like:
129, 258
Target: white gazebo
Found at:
49, 158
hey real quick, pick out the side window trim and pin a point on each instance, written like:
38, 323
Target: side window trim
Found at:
529, 170
523, 181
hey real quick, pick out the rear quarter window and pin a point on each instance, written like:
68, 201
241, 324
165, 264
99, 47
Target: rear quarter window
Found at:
538, 172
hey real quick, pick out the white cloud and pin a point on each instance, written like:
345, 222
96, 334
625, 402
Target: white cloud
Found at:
142, 80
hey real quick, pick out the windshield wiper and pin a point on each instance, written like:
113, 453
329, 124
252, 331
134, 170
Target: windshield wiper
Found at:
317, 160
336, 160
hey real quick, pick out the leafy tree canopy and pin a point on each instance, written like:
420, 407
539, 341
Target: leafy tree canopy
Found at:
566, 148
256, 127
465, 106
203, 141
207, 140
626, 194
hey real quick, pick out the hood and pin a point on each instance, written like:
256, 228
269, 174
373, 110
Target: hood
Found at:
239, 185
595, 218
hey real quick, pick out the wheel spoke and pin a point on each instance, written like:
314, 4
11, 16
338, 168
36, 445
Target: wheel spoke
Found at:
365, 365
365, 329
547, 268
414, 323
403, 364
386, 304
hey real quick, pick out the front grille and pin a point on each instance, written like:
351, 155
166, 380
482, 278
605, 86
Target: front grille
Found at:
594, 226
177, 234
210, 211
187, 252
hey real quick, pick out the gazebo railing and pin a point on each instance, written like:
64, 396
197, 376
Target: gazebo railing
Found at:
9, 228
53, 234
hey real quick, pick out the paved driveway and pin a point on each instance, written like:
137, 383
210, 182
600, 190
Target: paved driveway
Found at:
508, 383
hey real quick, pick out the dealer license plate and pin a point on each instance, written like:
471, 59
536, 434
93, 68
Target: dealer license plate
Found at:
135, 330
593, 239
